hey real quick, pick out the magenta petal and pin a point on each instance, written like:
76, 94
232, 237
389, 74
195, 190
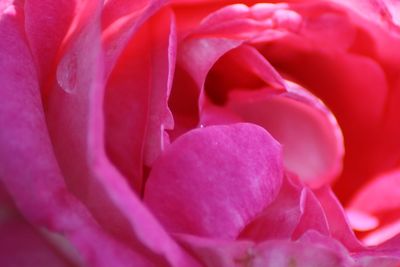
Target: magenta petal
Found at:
121, 19
313, 144
136, 99
46, 25
295, 211
75, 121
28, 167
215, 252
216, 179
22, 246
280, 218
313, 250
337, 220
308, 252
313, 216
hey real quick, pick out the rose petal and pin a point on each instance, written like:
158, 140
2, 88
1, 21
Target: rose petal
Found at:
196, 56
280, 218
337, 220
28, 167
242, 67
313, 216
311, 251
386, 209
215, 252
121, 19
339, 78
361, 221
46, 25
22, 246
75, 121
313, 144
385, 12
215, 179
295, 211
136, 107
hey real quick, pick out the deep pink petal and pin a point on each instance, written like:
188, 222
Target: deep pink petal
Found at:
28, 167
313, 216
337, 221
196, 56
313, 144
136, 99
295, 211
121, 19
280, 218
22, 246
243, 67
75, 121
216, 252
312, 250
46, 26
216, 179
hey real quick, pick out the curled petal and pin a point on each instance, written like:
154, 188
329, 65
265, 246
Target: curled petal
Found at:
313, 143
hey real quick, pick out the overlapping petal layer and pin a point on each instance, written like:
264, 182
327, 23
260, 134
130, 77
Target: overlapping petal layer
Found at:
193, 188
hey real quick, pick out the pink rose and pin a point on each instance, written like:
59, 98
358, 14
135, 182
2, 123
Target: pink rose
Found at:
199, 133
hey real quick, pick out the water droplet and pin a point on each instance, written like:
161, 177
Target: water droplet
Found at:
67, 73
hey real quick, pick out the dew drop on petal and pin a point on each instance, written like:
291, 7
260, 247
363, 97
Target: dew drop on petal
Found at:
67, 73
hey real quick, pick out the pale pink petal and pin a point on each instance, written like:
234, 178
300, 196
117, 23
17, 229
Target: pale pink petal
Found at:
312, 141
385, 193
206, 196
387, 185
382, 234
257, 23
361, 221
136, 98
339, 78
385, 12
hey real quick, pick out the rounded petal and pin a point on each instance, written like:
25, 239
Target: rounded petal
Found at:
311, 138
212, 181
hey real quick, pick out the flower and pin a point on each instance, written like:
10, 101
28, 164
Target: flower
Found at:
199, 133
